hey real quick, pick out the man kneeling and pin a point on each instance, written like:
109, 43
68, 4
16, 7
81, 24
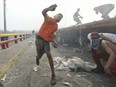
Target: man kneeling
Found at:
103, 46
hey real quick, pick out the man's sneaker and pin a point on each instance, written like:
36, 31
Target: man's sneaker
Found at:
98, 70
35, 68
53, 82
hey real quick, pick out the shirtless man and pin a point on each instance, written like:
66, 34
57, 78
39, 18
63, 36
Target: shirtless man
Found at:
103, 46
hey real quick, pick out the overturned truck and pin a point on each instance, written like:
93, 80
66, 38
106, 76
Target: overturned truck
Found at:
72, 35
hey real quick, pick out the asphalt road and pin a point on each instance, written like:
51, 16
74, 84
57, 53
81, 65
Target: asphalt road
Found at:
21, 74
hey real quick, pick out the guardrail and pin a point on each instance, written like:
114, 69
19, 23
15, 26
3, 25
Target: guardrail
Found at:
6, 38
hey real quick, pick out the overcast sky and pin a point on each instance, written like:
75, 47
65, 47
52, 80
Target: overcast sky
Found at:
26, 14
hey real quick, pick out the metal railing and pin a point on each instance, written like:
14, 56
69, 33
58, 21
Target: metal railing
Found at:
7, 38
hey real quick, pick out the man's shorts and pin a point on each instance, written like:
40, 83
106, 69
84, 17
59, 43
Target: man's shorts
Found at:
42, 46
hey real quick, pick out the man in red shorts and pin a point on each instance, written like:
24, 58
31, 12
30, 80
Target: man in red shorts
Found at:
103, 46
45, 35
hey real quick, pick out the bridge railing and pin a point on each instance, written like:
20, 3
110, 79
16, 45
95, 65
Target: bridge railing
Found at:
5, 39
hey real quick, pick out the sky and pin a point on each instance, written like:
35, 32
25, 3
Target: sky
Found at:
26, 14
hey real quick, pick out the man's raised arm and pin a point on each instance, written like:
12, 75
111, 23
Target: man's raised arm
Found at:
50, 8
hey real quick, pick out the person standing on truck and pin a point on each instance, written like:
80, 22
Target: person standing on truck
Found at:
77, 17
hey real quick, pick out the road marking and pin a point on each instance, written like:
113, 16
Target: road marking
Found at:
12, 61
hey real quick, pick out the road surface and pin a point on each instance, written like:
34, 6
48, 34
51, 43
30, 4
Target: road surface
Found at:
17, 63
